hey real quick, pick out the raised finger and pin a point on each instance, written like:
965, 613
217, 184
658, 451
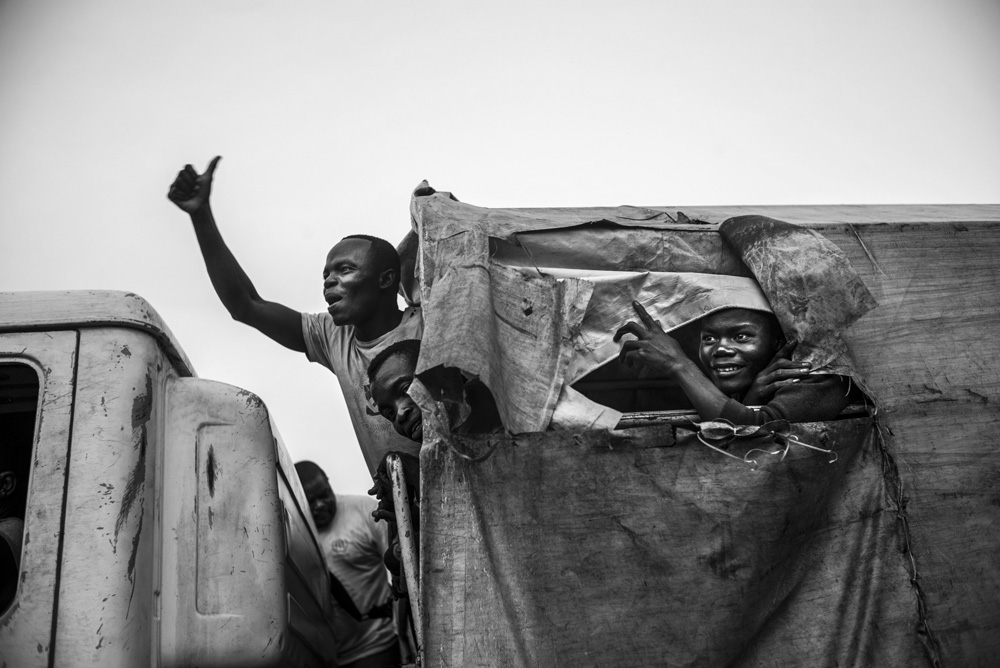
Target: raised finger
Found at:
647, 319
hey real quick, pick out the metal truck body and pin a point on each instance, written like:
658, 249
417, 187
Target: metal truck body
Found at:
163, 524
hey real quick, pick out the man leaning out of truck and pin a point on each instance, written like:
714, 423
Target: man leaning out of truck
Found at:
360, 281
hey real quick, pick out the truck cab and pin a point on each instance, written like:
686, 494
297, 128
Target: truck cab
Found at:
163, 523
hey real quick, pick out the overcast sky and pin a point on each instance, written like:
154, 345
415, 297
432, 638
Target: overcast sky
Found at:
327, 114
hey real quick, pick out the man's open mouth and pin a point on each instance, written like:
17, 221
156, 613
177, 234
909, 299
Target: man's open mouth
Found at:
727, 369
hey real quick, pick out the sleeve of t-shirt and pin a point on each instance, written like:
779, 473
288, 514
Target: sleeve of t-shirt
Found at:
318, 331
813, 399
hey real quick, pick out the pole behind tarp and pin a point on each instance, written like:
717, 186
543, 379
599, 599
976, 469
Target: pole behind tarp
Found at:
406, 535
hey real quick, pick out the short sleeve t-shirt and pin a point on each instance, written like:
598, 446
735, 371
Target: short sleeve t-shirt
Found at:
353, 545
338, 349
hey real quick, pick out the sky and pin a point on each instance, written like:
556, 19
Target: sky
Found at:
329, 113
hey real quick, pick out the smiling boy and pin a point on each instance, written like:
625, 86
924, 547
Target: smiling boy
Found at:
360, 282
743, 362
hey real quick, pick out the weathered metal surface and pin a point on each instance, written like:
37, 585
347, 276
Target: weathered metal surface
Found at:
166, 525
89, 309
224, 598
407, 543
26, 627
106, 587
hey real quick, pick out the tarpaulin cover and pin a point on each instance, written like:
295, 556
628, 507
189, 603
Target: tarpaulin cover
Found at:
927, 353
812, 287
530, 331
595, 549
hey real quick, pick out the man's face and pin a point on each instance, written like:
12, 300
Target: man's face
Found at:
389, 388
736, 344
322, 502
350, 282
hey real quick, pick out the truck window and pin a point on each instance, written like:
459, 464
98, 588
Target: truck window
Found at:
18, 408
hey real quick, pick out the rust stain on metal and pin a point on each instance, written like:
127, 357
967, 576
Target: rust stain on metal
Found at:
131, 559
142, 407
251, 399
210, 467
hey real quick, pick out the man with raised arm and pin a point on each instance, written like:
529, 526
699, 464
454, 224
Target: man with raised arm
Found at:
360, 281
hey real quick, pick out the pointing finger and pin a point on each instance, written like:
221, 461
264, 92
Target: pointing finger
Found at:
647, 319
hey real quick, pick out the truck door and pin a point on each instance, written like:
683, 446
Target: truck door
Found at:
37, 380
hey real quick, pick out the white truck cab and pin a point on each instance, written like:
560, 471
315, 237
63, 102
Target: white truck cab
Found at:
164, 524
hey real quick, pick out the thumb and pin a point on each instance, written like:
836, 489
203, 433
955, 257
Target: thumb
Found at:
211, 166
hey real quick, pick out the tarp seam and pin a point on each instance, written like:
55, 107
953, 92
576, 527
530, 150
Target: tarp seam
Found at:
894, 482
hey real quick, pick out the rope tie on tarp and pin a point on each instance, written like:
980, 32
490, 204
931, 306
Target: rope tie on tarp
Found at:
718, 434
894, 487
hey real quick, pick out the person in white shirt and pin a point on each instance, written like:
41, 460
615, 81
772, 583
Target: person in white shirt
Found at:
353, 545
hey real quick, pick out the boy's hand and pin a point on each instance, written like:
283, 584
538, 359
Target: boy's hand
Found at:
382, 489
190, 190
779, 370
652, 348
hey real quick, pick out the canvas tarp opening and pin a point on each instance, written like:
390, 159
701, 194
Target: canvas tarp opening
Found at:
528, 330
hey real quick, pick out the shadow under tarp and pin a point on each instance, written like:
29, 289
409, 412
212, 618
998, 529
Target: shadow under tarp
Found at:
598, 549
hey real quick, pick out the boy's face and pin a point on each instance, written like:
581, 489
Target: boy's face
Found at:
389, 388
736, 344
350, 282
322, 502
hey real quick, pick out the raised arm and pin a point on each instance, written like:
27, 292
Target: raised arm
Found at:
190, 191
655, 349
